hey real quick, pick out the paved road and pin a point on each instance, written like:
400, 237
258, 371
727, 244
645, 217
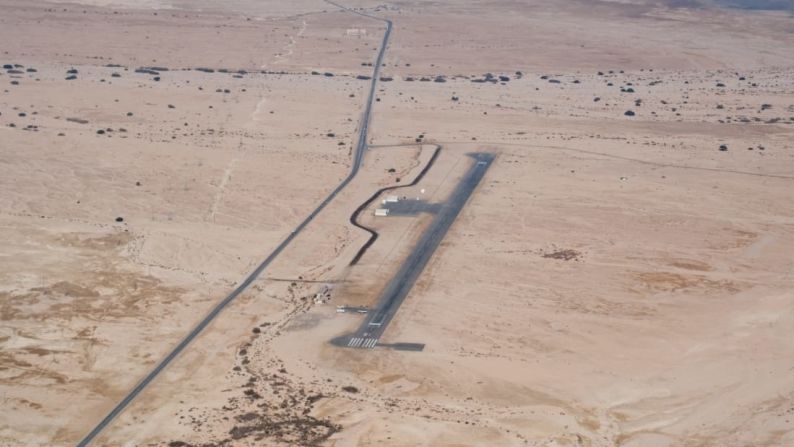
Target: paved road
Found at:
368, 334
373, 235
357, 158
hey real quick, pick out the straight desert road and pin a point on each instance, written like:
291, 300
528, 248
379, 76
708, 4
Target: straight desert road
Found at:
358, 156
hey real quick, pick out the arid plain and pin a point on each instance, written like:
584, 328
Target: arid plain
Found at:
621, 277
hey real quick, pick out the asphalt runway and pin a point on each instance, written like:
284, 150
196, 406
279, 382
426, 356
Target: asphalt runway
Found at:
368, 334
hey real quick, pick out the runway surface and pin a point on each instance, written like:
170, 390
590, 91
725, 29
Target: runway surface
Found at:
368, 334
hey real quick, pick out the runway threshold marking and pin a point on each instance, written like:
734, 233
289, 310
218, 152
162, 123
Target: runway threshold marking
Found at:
363, 343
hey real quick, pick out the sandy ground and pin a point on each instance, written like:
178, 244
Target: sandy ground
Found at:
615, 280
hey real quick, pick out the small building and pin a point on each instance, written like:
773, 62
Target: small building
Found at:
392, 199
323, 295
356, 32
382, 212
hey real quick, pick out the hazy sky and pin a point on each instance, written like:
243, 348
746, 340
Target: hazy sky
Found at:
783, 5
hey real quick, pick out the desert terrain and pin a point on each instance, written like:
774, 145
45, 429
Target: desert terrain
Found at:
622, 276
